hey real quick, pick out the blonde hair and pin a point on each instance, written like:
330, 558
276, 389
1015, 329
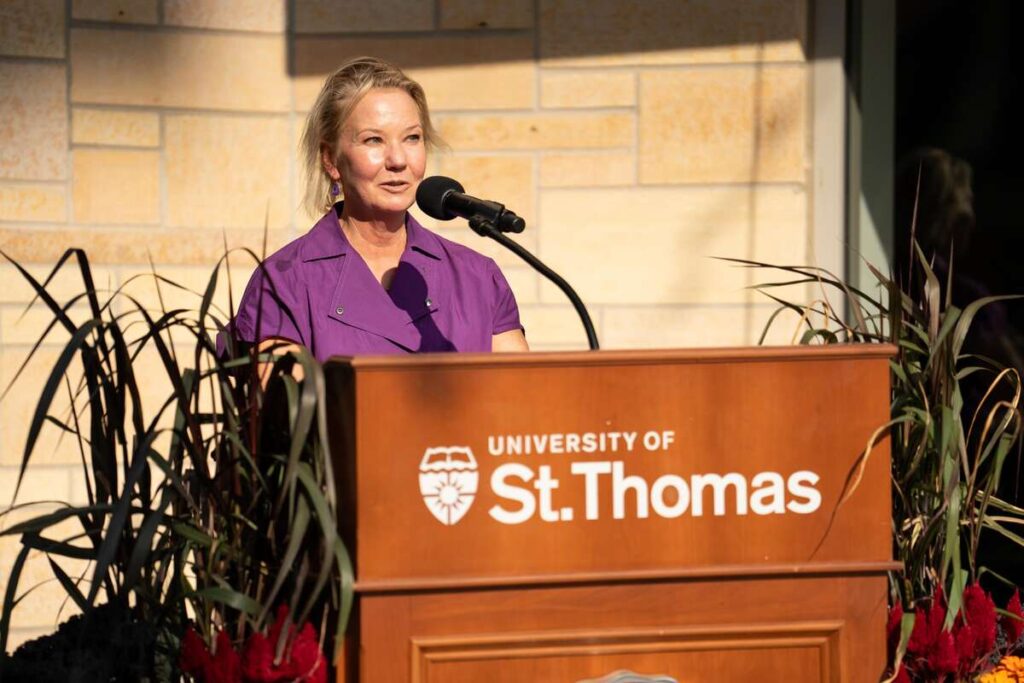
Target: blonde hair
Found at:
341, 93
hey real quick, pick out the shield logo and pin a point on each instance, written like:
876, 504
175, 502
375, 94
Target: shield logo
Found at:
448, 482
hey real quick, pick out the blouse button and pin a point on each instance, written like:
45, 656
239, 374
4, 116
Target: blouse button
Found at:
340, 310
429, 303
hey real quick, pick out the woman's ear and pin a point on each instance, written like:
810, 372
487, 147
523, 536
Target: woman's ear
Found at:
327, 159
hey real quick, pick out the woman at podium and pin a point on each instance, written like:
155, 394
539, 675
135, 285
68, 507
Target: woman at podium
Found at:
368, 278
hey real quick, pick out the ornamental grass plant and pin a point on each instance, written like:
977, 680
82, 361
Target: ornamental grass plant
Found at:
210, 511
954, 427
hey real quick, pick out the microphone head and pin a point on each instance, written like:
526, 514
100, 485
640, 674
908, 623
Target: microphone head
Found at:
431, 193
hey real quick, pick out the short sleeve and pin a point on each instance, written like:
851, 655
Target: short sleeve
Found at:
268, 309
506, 312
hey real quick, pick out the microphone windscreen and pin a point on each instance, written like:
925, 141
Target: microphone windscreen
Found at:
430, 196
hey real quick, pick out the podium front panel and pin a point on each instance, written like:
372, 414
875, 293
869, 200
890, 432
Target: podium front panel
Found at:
537, 468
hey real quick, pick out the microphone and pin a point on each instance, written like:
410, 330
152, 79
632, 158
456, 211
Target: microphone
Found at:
444, 199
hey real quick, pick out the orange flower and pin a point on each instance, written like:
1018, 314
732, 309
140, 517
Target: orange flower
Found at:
1008, 670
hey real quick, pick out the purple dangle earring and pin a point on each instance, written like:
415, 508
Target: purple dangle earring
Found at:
335, 190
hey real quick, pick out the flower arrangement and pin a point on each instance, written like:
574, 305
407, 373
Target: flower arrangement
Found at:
978, 638
259, 661
948, 450
211, 515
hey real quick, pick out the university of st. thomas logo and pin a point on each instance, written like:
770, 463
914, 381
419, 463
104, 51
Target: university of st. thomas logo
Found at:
448, 482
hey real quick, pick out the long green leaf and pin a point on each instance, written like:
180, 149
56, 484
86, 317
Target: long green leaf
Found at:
37, 524
231, 598
906, 629
347, 589
956, 595
13, 577
296, 538
329, 532
49, 391
61, 548
112, 539
69, 586
142, 547
964, 324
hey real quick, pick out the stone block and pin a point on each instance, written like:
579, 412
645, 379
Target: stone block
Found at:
45, 606
42, 203
341, 16
550, 327
112, 246
39, 483
656, 246
32, 28
179, 69
587, 169
120, 11
112, 127
463, 14
78, 493
505, 179
458, 230
523, 281
182, 287
227, 171
157, 387
116, 186
659, 32
25, 328
736, 124
561, 130
664, 327
33, 107
53, 446
232, 15
578, 89
64, 285
459, 72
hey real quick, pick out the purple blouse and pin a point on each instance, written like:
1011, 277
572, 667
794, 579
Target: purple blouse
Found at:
319, 292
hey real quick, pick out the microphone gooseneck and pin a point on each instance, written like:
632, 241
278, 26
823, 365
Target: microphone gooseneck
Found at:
444, 199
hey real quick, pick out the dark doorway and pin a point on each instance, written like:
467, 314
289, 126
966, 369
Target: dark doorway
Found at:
959, 78
959, 86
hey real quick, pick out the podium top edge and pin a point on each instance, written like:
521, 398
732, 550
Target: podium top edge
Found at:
746, 354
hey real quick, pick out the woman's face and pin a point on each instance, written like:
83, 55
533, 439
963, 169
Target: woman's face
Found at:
381, 154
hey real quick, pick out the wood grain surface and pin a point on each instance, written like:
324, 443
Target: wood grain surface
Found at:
652, 534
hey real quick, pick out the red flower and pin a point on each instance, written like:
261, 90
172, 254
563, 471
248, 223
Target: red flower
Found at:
309, 663
942, 659
965, 638
902, 676
1013, 627
302, 659
931, 648
980, 612
258, 660
975, 629
304, 662
195, 658
226, 667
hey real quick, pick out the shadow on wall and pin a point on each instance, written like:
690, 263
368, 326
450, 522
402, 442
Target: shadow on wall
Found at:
757, 138
567, 32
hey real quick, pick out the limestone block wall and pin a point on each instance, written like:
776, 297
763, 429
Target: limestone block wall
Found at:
638, 139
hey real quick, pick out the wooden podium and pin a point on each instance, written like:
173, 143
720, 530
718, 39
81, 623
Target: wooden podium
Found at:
560, 516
